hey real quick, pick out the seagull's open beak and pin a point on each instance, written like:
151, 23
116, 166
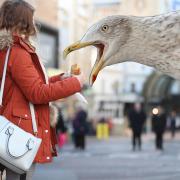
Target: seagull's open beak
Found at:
99, 62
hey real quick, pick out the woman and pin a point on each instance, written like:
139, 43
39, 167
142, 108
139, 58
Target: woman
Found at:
26, 80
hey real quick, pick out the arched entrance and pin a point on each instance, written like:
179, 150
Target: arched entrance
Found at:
162, 90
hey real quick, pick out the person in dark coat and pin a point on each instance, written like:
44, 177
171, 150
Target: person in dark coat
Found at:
80, 128
159, 120
61, 127
172, 120
137, 118
2, 168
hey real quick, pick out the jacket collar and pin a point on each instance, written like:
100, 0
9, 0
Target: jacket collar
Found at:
27, 46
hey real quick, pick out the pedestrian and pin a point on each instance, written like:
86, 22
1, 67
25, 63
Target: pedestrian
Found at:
110, 125
61, 129
1, 171
80, 128
137, 119
172, 120
26, 81
159, 120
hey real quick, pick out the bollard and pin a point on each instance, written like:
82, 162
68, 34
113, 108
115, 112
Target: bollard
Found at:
99, 132
102, 131
105, 131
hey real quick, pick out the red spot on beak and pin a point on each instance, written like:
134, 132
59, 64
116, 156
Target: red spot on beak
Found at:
94, 78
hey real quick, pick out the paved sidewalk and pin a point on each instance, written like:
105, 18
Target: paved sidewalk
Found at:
113, 160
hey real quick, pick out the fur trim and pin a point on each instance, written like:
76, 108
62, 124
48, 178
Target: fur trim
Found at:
53, 116
6, 39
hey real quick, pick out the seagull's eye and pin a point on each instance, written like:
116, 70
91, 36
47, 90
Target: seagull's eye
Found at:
105, 28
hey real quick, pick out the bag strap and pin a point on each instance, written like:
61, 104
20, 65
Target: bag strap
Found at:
2, 92
33, 118
4, 75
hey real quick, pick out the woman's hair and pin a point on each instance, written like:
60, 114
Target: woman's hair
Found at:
17, 16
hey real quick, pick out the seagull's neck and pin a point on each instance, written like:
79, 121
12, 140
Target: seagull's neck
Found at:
139, 42
152, 38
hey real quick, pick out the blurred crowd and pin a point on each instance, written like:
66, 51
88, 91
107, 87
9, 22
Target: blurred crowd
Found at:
160, 122
79, 126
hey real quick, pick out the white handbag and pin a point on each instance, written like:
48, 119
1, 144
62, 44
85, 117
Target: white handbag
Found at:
17, 147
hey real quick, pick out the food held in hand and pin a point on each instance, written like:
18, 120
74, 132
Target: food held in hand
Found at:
75, 69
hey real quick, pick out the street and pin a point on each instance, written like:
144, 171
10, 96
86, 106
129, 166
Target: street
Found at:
114, 160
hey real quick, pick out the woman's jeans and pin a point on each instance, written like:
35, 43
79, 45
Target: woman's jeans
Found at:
10, 175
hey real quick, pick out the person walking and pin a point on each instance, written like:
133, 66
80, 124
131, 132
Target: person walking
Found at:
159, 120
137, 118
172, 120
80, 128
1, 171
61, 129
26, 81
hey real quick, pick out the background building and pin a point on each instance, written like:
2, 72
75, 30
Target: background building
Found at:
47, 41
74, 19
46, 16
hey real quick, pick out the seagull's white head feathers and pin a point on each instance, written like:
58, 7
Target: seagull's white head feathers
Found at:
111, 34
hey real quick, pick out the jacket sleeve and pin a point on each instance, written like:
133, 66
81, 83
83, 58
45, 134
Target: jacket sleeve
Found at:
28, 79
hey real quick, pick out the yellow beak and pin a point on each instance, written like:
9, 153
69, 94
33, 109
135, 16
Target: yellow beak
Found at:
74, 47
97, 67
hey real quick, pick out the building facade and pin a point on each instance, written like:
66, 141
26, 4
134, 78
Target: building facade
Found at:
47, 40
75, 18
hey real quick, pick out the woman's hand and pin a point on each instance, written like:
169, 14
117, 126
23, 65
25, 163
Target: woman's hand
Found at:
81, 79
65, 76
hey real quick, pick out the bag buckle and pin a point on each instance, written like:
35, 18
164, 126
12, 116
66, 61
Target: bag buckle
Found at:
36, 134
30, 144
9, 131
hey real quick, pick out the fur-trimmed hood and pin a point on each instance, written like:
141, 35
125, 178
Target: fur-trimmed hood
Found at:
6, 39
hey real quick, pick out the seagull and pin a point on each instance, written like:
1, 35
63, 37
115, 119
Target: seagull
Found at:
152, 40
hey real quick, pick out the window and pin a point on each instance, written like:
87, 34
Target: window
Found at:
48, 46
